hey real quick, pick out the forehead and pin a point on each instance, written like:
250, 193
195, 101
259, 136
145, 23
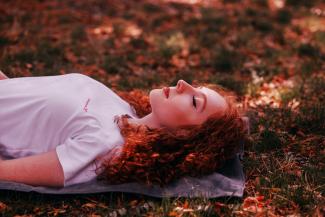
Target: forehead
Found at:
214, 100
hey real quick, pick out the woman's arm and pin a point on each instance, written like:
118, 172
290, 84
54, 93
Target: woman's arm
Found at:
3, 76
37, 170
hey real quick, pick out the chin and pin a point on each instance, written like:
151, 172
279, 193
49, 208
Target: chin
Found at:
156, 95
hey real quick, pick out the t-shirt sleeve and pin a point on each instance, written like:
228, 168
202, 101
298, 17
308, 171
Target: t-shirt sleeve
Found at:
78, 152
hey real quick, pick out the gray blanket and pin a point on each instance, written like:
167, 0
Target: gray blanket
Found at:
227, 181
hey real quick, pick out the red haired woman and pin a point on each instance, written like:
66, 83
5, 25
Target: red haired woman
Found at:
68, 129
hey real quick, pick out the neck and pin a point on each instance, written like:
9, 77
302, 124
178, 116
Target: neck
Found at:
149, 120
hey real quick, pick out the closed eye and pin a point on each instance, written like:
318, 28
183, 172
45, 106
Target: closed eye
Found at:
194, 101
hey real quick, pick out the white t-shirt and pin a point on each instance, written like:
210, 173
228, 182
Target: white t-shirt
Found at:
71, 113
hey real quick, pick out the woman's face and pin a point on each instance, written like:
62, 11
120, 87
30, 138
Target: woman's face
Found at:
185, 105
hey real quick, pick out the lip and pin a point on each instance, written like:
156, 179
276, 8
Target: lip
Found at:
166, 91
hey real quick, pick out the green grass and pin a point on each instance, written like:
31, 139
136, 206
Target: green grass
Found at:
229, 82
113, 63
226, 60
309, 50
105, 204
4, 41
78, 33
140, 82
284, 16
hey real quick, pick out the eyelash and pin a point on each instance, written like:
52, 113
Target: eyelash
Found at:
194, 101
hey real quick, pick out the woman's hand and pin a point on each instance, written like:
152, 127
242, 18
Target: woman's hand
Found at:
3, 76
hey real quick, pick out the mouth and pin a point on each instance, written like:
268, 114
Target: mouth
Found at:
166, 91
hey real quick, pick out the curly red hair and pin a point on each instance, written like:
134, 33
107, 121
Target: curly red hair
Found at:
160, 155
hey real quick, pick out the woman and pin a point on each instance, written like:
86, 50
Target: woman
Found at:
75, 129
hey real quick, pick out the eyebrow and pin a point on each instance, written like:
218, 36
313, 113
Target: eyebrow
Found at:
205, 99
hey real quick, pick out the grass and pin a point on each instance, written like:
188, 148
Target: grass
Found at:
113, 64
226, 60
284, 16
230, 82
105, 204
78, 33
4, 41
151, 79
309, 50
49, 54
283, 165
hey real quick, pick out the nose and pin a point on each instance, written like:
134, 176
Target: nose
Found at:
182, 86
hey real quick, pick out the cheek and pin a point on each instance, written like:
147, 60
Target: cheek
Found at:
168, 112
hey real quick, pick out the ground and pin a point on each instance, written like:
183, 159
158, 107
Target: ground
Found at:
271, 55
